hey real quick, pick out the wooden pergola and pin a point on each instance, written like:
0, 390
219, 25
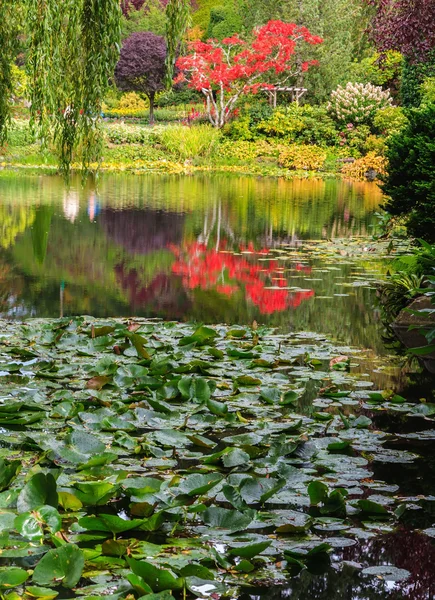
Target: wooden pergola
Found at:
296, 93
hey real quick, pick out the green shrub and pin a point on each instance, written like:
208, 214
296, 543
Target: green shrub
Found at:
383, 70
410, 182
240, 129
283, 123
390, 120
118, 133
176, 97
355, 139
245, 150
305, 124
427, 90
357, 103
19, 134
224, 22
186, 143
309, 158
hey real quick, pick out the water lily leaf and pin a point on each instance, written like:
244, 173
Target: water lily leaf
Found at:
11, 577
8, 471
387, 572
362, 422
111, 523
217, 408
235, 457
69, 502
115, 548
197, 484
157, 578
230, 520
202, 336
60, 566
338, 445
39, 491
166, 595
244, 566
289, 397
95, 493
41, 592
31, 524
139, 585
98, 382
318, 492
195, 570
250, 550
270, 395
247, 380
371, 508
195, 388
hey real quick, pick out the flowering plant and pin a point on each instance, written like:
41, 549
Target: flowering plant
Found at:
358, 103
224, 71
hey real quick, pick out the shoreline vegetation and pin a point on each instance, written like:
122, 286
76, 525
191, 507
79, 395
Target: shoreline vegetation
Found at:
264, 158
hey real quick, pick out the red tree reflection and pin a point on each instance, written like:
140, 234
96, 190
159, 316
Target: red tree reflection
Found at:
263, 283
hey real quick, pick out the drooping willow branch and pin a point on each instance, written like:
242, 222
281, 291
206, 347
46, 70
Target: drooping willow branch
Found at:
73, 49
178, 20
7, 44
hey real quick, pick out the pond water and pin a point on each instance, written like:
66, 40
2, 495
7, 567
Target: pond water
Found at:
293, 254
209, 249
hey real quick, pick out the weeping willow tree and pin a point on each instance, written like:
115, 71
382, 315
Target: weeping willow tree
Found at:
73, 48
8, 36
178, 20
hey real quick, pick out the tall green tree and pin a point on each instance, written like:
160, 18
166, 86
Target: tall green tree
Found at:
341, 23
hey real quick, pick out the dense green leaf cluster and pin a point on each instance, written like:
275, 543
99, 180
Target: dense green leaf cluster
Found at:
144, 457
410, 182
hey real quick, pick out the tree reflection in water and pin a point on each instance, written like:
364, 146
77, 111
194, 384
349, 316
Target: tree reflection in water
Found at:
405, 549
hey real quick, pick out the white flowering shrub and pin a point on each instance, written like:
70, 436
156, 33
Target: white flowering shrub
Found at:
358, 103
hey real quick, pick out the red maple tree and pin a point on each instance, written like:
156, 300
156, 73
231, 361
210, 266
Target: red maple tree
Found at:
224, 71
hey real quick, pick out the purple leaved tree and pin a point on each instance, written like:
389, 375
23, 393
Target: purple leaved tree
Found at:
141, 66
405, 25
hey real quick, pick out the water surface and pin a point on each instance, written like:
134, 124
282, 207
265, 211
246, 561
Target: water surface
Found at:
210, 249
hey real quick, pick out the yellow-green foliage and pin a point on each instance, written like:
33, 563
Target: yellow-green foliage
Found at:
132, 101
201, 17
19, 82
283, 123
376, 144
309, 158
246, 150
372, 162
390, 120
187, 143
427, 89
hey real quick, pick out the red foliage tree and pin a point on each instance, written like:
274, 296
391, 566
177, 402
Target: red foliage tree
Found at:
141, 66
224, 71
405, 25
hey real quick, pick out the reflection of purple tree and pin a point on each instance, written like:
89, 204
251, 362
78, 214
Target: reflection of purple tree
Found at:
142, 231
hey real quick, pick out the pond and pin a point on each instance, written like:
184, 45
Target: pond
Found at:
255, 416
209, 249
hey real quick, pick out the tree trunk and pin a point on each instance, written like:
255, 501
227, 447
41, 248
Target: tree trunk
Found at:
151, 97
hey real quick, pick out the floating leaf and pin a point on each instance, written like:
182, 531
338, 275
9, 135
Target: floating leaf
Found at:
60, 566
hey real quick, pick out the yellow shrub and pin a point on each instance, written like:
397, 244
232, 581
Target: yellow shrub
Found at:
244, 150
309, 158
372, 164
132, 101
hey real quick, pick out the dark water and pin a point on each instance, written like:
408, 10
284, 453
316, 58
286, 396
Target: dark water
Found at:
203, 248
